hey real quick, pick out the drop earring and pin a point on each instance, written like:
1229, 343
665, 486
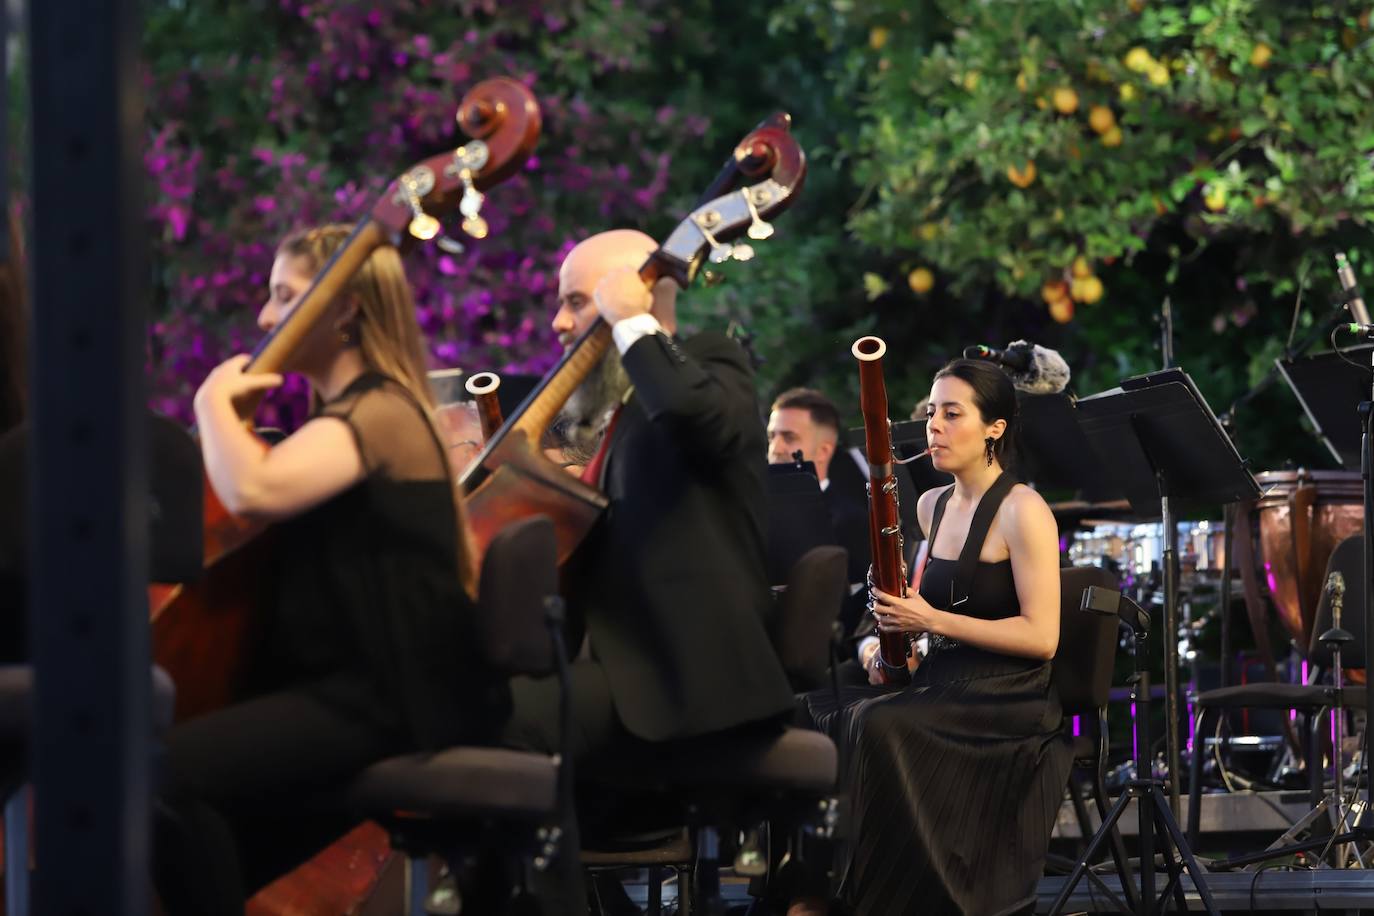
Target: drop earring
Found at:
987, 449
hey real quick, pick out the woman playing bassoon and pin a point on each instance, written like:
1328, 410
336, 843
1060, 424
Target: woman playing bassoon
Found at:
956, 778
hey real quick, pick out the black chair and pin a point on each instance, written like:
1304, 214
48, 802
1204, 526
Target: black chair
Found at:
466, 800
175, 530
1311, 700
719, 786
805, 613
1082, 675
16, 719
707, 790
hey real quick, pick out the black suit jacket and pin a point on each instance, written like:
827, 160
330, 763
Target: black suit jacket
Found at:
671, 582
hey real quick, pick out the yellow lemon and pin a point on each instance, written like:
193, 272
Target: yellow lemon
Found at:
1081, 267
1054, 291
1112, 138
1127, 92
920, 280
1101, 119
1138, 60
971, 80
1157, 74
1259, 56
1061, 310
877, 37
1023, 177
1087, 290
1215, 199
1065, 100
929, 232
1042, 103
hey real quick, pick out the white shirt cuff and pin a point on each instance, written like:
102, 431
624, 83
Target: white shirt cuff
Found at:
627, 330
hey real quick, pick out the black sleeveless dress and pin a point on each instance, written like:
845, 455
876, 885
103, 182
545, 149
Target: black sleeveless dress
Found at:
954, 780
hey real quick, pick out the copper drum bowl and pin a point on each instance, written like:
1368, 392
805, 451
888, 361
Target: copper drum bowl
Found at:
1303, 515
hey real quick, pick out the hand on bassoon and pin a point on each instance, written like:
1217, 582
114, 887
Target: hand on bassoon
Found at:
912, 614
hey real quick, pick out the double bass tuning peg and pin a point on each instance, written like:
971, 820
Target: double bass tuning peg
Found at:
721, 251
467, 161
758, 228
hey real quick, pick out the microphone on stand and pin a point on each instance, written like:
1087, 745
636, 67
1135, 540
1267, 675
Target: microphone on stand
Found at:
1033, 369
1358, 311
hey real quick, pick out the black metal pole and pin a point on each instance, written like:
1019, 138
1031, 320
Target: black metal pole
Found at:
1171, 706
1228, 536
1144, 771
1366, 469
89, 514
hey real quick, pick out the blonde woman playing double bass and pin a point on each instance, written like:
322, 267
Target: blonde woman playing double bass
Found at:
370, 647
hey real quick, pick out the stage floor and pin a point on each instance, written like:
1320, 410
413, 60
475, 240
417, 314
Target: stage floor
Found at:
1232, 823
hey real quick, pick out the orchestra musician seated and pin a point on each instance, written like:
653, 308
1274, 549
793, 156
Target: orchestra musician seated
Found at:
369, 646
963, 769
670, 585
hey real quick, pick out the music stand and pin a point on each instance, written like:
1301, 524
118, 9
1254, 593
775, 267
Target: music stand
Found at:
1151, 812
1054, 453
1162, 445
908, 438
1329, 389
798, 518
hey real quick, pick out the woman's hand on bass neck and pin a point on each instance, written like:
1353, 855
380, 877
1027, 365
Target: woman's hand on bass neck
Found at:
227, 383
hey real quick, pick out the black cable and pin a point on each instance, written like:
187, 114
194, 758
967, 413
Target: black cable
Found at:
1297, 306
1341, 353
1255, 880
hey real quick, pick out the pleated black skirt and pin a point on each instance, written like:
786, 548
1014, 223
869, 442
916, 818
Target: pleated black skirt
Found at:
954, 781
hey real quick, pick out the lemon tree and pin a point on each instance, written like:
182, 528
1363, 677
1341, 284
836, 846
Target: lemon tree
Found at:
1083, 160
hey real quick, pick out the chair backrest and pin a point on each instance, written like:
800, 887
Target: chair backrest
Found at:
800, 630
1083, 663
176, 495
519, 571
1348, 560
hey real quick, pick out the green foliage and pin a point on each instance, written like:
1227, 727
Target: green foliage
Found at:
1210, 152
1235, 179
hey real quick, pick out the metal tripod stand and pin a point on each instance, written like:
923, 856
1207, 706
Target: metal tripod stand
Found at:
1151, 806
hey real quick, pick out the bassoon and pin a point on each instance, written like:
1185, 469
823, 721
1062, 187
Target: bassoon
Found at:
888, 572
482, 386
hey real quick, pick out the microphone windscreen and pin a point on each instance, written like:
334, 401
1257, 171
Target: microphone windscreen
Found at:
1046, 374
